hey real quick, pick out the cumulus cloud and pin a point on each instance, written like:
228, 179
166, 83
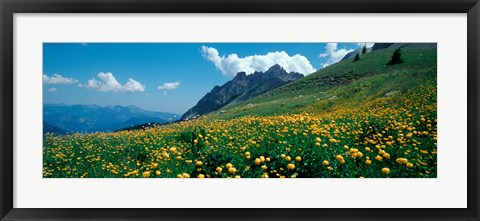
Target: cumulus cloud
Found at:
52, 89
231, 64
169, 86
106, 82
333, 54
58, 79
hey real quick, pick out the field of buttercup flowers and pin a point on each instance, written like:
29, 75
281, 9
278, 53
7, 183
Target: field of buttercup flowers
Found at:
393, 136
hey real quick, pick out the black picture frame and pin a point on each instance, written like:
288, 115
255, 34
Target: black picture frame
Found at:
9, 7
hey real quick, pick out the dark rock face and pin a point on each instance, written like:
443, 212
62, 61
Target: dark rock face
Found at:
354, 52
380, 46
242, 87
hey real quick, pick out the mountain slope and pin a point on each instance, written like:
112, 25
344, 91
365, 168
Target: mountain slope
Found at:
258, 90
380, 46
344, 83
50, 129
93, 118
354, 52
350, 120
131, 122
240, 88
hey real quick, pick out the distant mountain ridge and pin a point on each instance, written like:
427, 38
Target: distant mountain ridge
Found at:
47, 128
94, 118
242, 87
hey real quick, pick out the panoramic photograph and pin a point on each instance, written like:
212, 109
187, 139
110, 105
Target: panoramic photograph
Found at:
240, 110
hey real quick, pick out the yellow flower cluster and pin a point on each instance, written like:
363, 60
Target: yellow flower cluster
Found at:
383, 138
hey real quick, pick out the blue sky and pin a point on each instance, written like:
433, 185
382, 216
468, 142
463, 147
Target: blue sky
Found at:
168, 77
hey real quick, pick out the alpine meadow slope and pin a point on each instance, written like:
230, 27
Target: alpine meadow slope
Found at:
362, 119
341, 83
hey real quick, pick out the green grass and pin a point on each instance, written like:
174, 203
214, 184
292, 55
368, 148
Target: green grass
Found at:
360, 133
347, 82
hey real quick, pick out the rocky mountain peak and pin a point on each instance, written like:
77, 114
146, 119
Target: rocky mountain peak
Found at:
242, 87
275, 67
240, 76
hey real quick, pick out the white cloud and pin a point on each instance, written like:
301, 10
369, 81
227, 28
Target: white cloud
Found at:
333, 54
369, 45
52, 89
58, 79
169, 86
231, 64
106, 82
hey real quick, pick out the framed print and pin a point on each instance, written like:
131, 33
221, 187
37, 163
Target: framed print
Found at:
272, 109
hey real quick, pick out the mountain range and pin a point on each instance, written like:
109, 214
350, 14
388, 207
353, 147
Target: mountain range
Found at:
61, 118
242, 87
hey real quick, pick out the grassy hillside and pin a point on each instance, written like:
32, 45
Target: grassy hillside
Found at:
352, 119
344, 82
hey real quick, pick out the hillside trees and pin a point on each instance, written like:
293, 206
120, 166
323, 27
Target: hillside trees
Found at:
396, 57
